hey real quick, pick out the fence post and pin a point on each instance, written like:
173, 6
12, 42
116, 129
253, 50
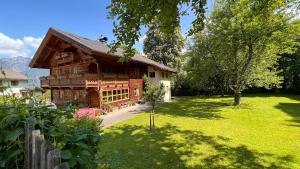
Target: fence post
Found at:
53, 158
64, 165
37, 139
45, 148
28, 145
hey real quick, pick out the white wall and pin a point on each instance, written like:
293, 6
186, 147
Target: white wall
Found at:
159, 79
14, 89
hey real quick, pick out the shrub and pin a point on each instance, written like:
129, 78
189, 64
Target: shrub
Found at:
76, 138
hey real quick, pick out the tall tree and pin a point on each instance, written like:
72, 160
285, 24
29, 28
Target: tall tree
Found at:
130, 16
290, 66
163, 48
246, 38
206, 67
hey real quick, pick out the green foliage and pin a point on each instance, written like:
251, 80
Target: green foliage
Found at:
12, 116
206, 67
162, 48
154, 93
75, 137
45, 96
130, 16
108, 107
290, 65
242, 43
78, 140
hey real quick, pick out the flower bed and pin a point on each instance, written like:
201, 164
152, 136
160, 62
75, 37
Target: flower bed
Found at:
87, 112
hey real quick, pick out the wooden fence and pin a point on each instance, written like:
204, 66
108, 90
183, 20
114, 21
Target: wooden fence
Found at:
39, 153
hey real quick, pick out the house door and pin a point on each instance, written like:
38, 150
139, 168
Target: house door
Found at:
93, 99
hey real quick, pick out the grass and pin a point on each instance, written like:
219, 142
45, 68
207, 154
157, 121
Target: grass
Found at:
207, 132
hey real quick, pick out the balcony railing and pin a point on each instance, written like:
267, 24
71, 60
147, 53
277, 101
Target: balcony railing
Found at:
81, 80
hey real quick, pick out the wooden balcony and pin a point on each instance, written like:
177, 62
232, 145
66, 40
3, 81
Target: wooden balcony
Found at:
84, 80
44, 81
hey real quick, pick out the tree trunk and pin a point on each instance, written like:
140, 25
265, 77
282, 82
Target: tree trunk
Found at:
152, 120
222, 92
237, 97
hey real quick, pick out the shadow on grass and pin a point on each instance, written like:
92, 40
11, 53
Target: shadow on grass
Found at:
293, 110
200, 108
168, 147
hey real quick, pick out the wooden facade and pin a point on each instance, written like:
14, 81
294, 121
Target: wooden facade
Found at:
79, 78
80, 75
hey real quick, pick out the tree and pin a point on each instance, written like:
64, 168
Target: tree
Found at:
154, 94
290, 66
205, 70
162, 48
130, 16
245, 39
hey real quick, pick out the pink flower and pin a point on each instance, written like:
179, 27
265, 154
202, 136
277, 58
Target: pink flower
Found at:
85, 112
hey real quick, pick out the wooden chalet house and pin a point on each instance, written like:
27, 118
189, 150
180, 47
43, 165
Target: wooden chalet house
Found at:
82, 71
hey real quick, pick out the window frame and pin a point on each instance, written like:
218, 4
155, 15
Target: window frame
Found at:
115, 95
14, 83
152, 74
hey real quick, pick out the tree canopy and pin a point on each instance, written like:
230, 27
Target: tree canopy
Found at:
162, 48
130, 15
242, 41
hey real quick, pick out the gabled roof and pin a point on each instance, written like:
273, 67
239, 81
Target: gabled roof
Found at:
12, 75
96, 48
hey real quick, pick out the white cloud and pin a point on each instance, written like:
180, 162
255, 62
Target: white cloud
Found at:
33, 42
26, 46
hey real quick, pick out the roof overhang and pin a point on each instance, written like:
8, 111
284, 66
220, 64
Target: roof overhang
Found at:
44, 51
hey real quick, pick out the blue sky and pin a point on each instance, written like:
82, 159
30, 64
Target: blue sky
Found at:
23, 23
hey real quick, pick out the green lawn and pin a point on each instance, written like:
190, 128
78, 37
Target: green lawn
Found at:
207, 132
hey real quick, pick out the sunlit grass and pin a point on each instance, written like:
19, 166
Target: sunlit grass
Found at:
208, 132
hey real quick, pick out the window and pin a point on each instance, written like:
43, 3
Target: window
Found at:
167, 75
75, 70
115, 95
1, 83
152, 74
162, 74
14, 83
136, 90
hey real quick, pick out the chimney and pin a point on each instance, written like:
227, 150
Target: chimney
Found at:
103, 39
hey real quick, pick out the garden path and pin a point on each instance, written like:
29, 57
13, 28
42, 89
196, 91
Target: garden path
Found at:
123, 114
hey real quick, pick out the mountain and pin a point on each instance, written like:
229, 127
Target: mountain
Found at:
21, 64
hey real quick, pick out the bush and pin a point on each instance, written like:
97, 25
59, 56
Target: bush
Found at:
76, 138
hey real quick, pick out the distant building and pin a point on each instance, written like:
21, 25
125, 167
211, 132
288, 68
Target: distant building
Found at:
13, 82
